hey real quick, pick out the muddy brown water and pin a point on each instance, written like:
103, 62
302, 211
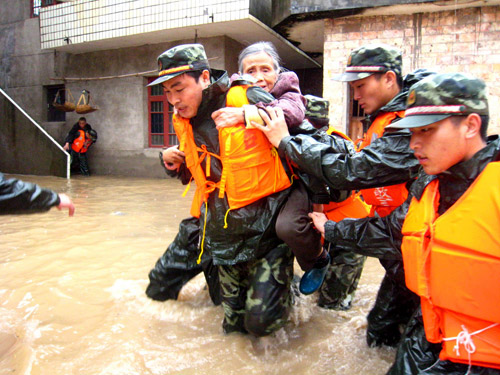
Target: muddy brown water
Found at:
72, 297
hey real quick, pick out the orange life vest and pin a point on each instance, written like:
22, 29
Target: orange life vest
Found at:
384, 199
194, 156
81, 144
251, 167
452, 262
353, 207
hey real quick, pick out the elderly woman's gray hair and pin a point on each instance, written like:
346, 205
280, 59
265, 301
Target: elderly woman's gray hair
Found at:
266, 47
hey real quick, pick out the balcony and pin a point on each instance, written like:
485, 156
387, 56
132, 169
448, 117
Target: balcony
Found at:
91, 25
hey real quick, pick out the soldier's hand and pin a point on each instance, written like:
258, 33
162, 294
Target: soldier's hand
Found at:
276, 128
66, 202
173, 157
228, 116
319, 219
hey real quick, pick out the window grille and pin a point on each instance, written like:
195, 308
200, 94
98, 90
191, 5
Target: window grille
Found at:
161, 128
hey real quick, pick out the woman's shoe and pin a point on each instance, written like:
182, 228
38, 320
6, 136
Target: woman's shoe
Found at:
312, 280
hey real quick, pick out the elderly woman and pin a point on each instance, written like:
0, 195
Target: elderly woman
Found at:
261, 61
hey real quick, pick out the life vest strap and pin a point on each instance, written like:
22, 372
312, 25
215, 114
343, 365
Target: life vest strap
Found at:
208, 155
203, 235
210, 187
225, 218
223, 177
277, 161
465, 338
293, 176
187, 187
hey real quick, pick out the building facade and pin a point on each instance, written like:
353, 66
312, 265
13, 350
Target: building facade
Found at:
109, 49
460, 40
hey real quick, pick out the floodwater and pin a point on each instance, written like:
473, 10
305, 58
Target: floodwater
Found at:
72, 297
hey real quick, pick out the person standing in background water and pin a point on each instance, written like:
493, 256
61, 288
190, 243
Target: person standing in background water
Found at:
77, 142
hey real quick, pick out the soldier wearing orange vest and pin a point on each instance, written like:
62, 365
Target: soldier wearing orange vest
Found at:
261, 62
374, 74
447, 231
343, 274
241, 240
382, 168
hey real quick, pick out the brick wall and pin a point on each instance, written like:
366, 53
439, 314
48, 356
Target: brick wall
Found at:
465, 40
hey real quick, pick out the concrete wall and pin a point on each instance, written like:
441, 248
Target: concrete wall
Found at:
290, 10
464, 40
24, 149
24, 70
262, 10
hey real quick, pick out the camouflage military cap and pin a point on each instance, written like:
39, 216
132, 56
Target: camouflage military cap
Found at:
443, 95
373, 58
316, 107
180, 59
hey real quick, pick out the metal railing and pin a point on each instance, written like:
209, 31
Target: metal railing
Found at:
42, 130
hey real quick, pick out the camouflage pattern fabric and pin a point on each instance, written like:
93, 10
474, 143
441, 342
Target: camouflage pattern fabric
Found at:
443, 95
317, 111
256, 295
316, 107
341, 281
369, 59
179, 60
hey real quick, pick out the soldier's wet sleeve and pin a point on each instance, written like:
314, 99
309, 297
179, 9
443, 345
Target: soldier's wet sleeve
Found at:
371, 236
256, 95
387, 161
182, 173
19, 197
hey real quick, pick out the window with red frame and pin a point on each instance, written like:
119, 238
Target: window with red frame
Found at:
161, 129
37, 4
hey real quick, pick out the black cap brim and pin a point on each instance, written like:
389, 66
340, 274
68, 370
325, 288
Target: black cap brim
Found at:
350, 76
164, 78
417, 121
